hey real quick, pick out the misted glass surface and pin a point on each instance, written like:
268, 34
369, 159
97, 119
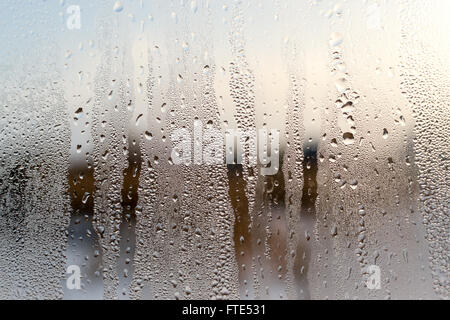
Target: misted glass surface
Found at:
224, 149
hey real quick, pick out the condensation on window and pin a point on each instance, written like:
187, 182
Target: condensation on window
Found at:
224, 149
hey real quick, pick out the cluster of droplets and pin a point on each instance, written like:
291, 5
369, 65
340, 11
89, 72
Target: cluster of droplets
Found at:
33, 181
426, 87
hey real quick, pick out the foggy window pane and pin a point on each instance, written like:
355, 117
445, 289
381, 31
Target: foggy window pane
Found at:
224, 149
